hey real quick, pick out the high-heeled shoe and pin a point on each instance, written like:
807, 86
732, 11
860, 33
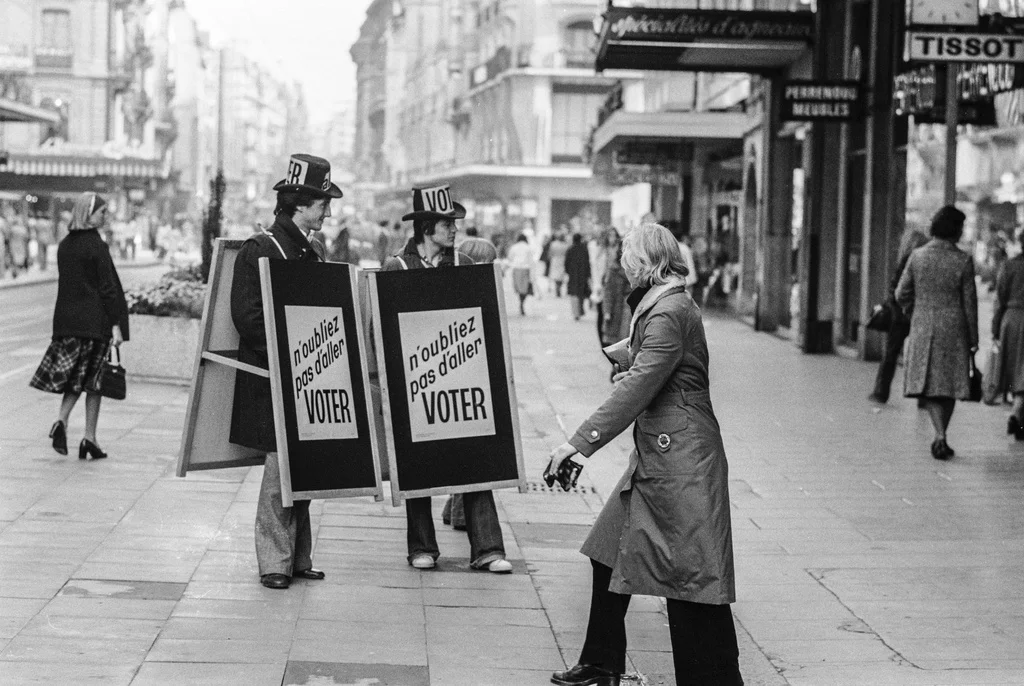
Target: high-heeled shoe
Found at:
88, 448
941, 449
59, 434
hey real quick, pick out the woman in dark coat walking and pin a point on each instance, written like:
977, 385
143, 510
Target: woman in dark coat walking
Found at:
1008, 332
666, 529
577, 268
937, 285
90, 315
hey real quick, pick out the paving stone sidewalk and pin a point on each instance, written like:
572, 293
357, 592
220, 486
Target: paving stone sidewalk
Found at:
860, 560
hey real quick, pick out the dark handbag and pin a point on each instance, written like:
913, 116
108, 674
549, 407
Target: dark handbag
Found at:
881, 317
977, 384
112, 381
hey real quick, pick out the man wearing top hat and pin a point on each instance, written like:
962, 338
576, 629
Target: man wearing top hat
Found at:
283, 538
433, 245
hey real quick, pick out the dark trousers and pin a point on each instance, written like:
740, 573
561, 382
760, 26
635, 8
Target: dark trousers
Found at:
898, 332
485, 540
704, 649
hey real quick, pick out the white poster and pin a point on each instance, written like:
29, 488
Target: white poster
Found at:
446, 376
318, 352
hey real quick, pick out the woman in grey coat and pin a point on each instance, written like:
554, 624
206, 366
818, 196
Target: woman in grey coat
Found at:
937, 285
665, 530
1008, 332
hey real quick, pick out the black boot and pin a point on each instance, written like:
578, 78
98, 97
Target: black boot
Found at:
585, 675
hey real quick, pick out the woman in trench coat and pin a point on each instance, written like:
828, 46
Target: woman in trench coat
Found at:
665, 530
937, 286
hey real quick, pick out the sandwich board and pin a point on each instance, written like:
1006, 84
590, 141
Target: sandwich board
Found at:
204, 441
319, 382
451, 420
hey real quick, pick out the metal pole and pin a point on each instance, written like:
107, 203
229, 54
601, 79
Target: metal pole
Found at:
952, 119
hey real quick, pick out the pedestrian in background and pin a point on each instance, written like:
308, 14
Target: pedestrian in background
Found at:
616, 290
90, 316
1008, 334
938, 283
577, 270
556, 267
477, 248
899, 328
284, 540
520, 260
480, 251
599, 248
666, 530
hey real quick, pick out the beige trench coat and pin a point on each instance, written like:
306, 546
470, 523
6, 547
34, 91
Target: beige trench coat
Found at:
666, 529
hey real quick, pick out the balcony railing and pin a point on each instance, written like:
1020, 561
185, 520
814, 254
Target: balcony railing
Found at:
54, 58
14, 58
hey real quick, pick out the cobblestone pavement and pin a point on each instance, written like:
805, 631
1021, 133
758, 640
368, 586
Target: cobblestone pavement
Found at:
860, 560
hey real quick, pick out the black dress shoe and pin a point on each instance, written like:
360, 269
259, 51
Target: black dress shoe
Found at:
312, 574
585, 675
90, 449
275, 581
878, 398
59, 434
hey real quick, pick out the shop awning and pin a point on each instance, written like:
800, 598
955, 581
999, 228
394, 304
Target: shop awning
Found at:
12, 110
25, 164
702, 40
704, 126
506, 171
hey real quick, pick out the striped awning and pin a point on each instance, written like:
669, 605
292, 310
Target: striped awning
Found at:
11, 110
82, 166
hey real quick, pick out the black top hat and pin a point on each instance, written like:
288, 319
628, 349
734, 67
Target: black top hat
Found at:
309, 174
434, 203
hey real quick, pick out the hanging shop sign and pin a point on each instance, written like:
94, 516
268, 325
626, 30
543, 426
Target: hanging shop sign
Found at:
821, 100
326, 443
919, 93
686, 40
940, 46
982, 81
450, 413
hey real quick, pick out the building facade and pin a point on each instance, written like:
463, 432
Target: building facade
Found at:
498, 100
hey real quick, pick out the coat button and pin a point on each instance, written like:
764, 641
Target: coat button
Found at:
593, 434
664, 441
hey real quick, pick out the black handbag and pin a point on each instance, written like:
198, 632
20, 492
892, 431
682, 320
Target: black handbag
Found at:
977, 385
881, 317
112, 381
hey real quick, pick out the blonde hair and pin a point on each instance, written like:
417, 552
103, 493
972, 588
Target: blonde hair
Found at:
651, 257
85, 205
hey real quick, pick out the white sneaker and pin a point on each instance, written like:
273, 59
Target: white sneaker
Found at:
500, 566
423, 562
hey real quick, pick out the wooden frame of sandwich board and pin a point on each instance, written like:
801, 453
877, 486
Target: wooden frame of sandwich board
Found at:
495, 302
204, 442
318, 453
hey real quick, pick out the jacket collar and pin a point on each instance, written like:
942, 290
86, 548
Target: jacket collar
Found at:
943, 244
284, 227
652, 296
412, 253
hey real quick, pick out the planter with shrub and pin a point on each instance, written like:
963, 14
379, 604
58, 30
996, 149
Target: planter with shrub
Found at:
164, 319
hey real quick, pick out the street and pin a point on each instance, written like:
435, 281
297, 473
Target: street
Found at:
860, 559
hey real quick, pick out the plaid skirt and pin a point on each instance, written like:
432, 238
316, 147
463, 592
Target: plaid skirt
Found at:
71, 365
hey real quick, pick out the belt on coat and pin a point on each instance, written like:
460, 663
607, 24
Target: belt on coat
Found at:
694, 397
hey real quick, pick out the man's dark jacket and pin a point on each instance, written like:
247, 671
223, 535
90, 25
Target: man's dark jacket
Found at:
252, 417
90, 299
410, 258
